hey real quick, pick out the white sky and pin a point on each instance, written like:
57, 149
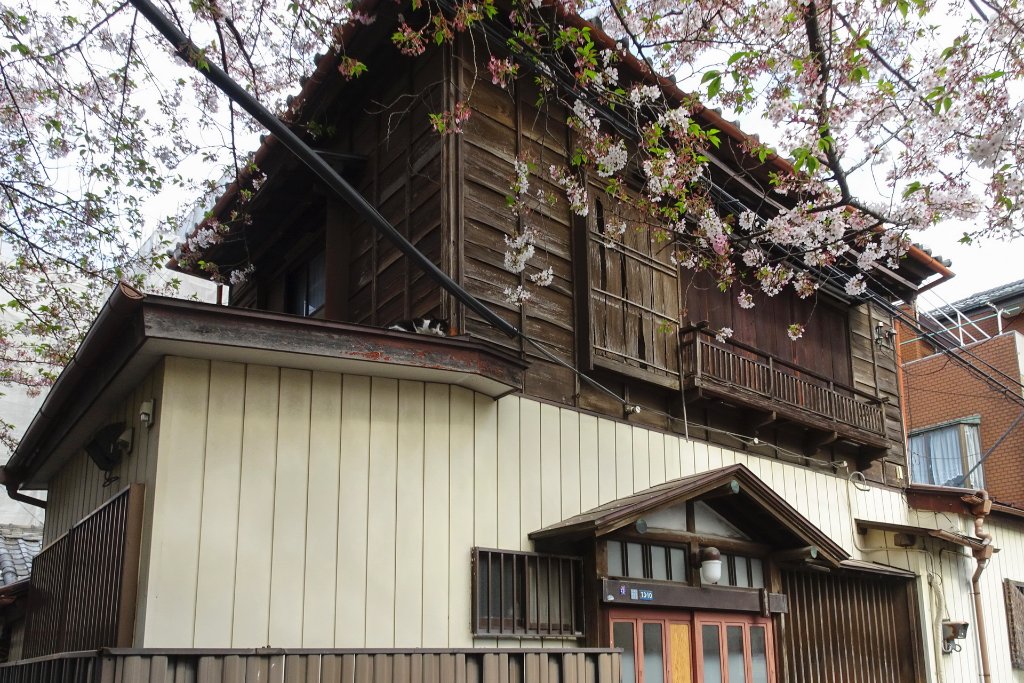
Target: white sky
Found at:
978, 266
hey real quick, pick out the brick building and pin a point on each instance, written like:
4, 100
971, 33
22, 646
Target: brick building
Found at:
955, 418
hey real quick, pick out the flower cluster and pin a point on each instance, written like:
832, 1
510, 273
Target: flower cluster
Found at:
503, 71
519, 250
574, 190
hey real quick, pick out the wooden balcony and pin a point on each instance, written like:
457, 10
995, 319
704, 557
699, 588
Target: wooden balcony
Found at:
774, 389
577, 665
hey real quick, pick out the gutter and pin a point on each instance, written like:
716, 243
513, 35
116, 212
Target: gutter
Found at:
124, 301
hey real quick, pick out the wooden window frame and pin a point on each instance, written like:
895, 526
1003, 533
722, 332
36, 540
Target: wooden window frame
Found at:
723, 621
591, 250
1013, 595
977, 477
526, 607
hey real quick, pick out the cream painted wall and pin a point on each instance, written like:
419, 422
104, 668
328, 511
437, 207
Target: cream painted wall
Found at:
305, 509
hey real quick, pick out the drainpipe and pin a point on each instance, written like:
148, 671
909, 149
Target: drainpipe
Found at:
9, 481
981, 505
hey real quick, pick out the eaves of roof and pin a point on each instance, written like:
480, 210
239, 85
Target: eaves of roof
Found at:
134, 331
621, 512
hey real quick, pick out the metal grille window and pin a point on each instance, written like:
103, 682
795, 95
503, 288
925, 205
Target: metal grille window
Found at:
1013, 591
527, 594
647, 561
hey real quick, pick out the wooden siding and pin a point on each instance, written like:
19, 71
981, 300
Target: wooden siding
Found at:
236, 666
847, 629
507, 125
403, 180
875, 372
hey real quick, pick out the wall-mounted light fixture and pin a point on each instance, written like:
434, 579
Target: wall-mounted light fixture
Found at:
710, 566
631, 409
885, 336
146, 413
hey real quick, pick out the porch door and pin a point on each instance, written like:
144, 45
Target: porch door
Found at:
655, 648
733, 648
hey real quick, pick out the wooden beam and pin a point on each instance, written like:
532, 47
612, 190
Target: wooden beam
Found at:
795, 554
755, 419
816, 438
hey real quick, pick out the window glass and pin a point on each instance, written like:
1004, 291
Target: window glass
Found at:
711, 653
678, 556
615, 559
659, 563
316, 284
758, 655
654, 659
946, 455
726, 579
756, 572
622, 636
742, 577
635, 560
734, 647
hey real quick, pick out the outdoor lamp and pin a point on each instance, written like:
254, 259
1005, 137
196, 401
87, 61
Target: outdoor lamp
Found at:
710, 566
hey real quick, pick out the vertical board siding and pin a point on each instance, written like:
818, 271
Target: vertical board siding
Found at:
178, 503
319, 510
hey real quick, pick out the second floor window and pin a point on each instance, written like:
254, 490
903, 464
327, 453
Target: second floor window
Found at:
947, 455
306, 287
633, 298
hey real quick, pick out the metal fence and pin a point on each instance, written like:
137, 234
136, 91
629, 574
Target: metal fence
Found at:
84, 584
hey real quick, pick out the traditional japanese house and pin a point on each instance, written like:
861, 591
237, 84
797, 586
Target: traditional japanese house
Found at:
283, 487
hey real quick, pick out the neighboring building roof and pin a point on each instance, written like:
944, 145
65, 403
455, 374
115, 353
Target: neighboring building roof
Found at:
995, 295
18, 547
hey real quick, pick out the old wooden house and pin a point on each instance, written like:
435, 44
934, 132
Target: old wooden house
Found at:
284, 489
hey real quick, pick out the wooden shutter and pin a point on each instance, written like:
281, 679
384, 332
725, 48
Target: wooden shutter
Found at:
1013, 591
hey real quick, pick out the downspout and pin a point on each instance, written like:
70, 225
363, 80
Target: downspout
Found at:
981, 506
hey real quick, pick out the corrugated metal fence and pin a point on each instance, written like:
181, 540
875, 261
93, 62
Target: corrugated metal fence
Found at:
321, 666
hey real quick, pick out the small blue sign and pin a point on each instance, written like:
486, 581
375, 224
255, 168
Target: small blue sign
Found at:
646, 595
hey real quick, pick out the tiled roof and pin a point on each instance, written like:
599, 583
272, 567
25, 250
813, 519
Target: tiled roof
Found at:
18, 547
996, 294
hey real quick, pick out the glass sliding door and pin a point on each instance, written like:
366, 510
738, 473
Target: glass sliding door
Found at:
734, 648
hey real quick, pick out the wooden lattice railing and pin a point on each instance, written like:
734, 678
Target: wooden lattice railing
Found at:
738, 366
84, 584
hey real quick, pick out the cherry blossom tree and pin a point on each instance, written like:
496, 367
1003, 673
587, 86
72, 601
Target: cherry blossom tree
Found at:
896, 114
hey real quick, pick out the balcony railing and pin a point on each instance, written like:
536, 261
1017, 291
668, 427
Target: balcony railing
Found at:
84, 584
578, 665
742, 374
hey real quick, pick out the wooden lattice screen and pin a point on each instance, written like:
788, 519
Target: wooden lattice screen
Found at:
1013, 591
84, 584
634, 297
848, 628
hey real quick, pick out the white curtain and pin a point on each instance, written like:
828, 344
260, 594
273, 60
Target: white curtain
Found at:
935, 456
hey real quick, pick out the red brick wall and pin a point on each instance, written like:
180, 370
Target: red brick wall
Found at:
936, 390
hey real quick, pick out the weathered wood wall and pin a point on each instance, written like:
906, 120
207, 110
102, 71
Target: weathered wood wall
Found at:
506, 125
875, 371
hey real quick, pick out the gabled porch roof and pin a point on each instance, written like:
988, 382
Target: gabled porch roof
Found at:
733, 491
